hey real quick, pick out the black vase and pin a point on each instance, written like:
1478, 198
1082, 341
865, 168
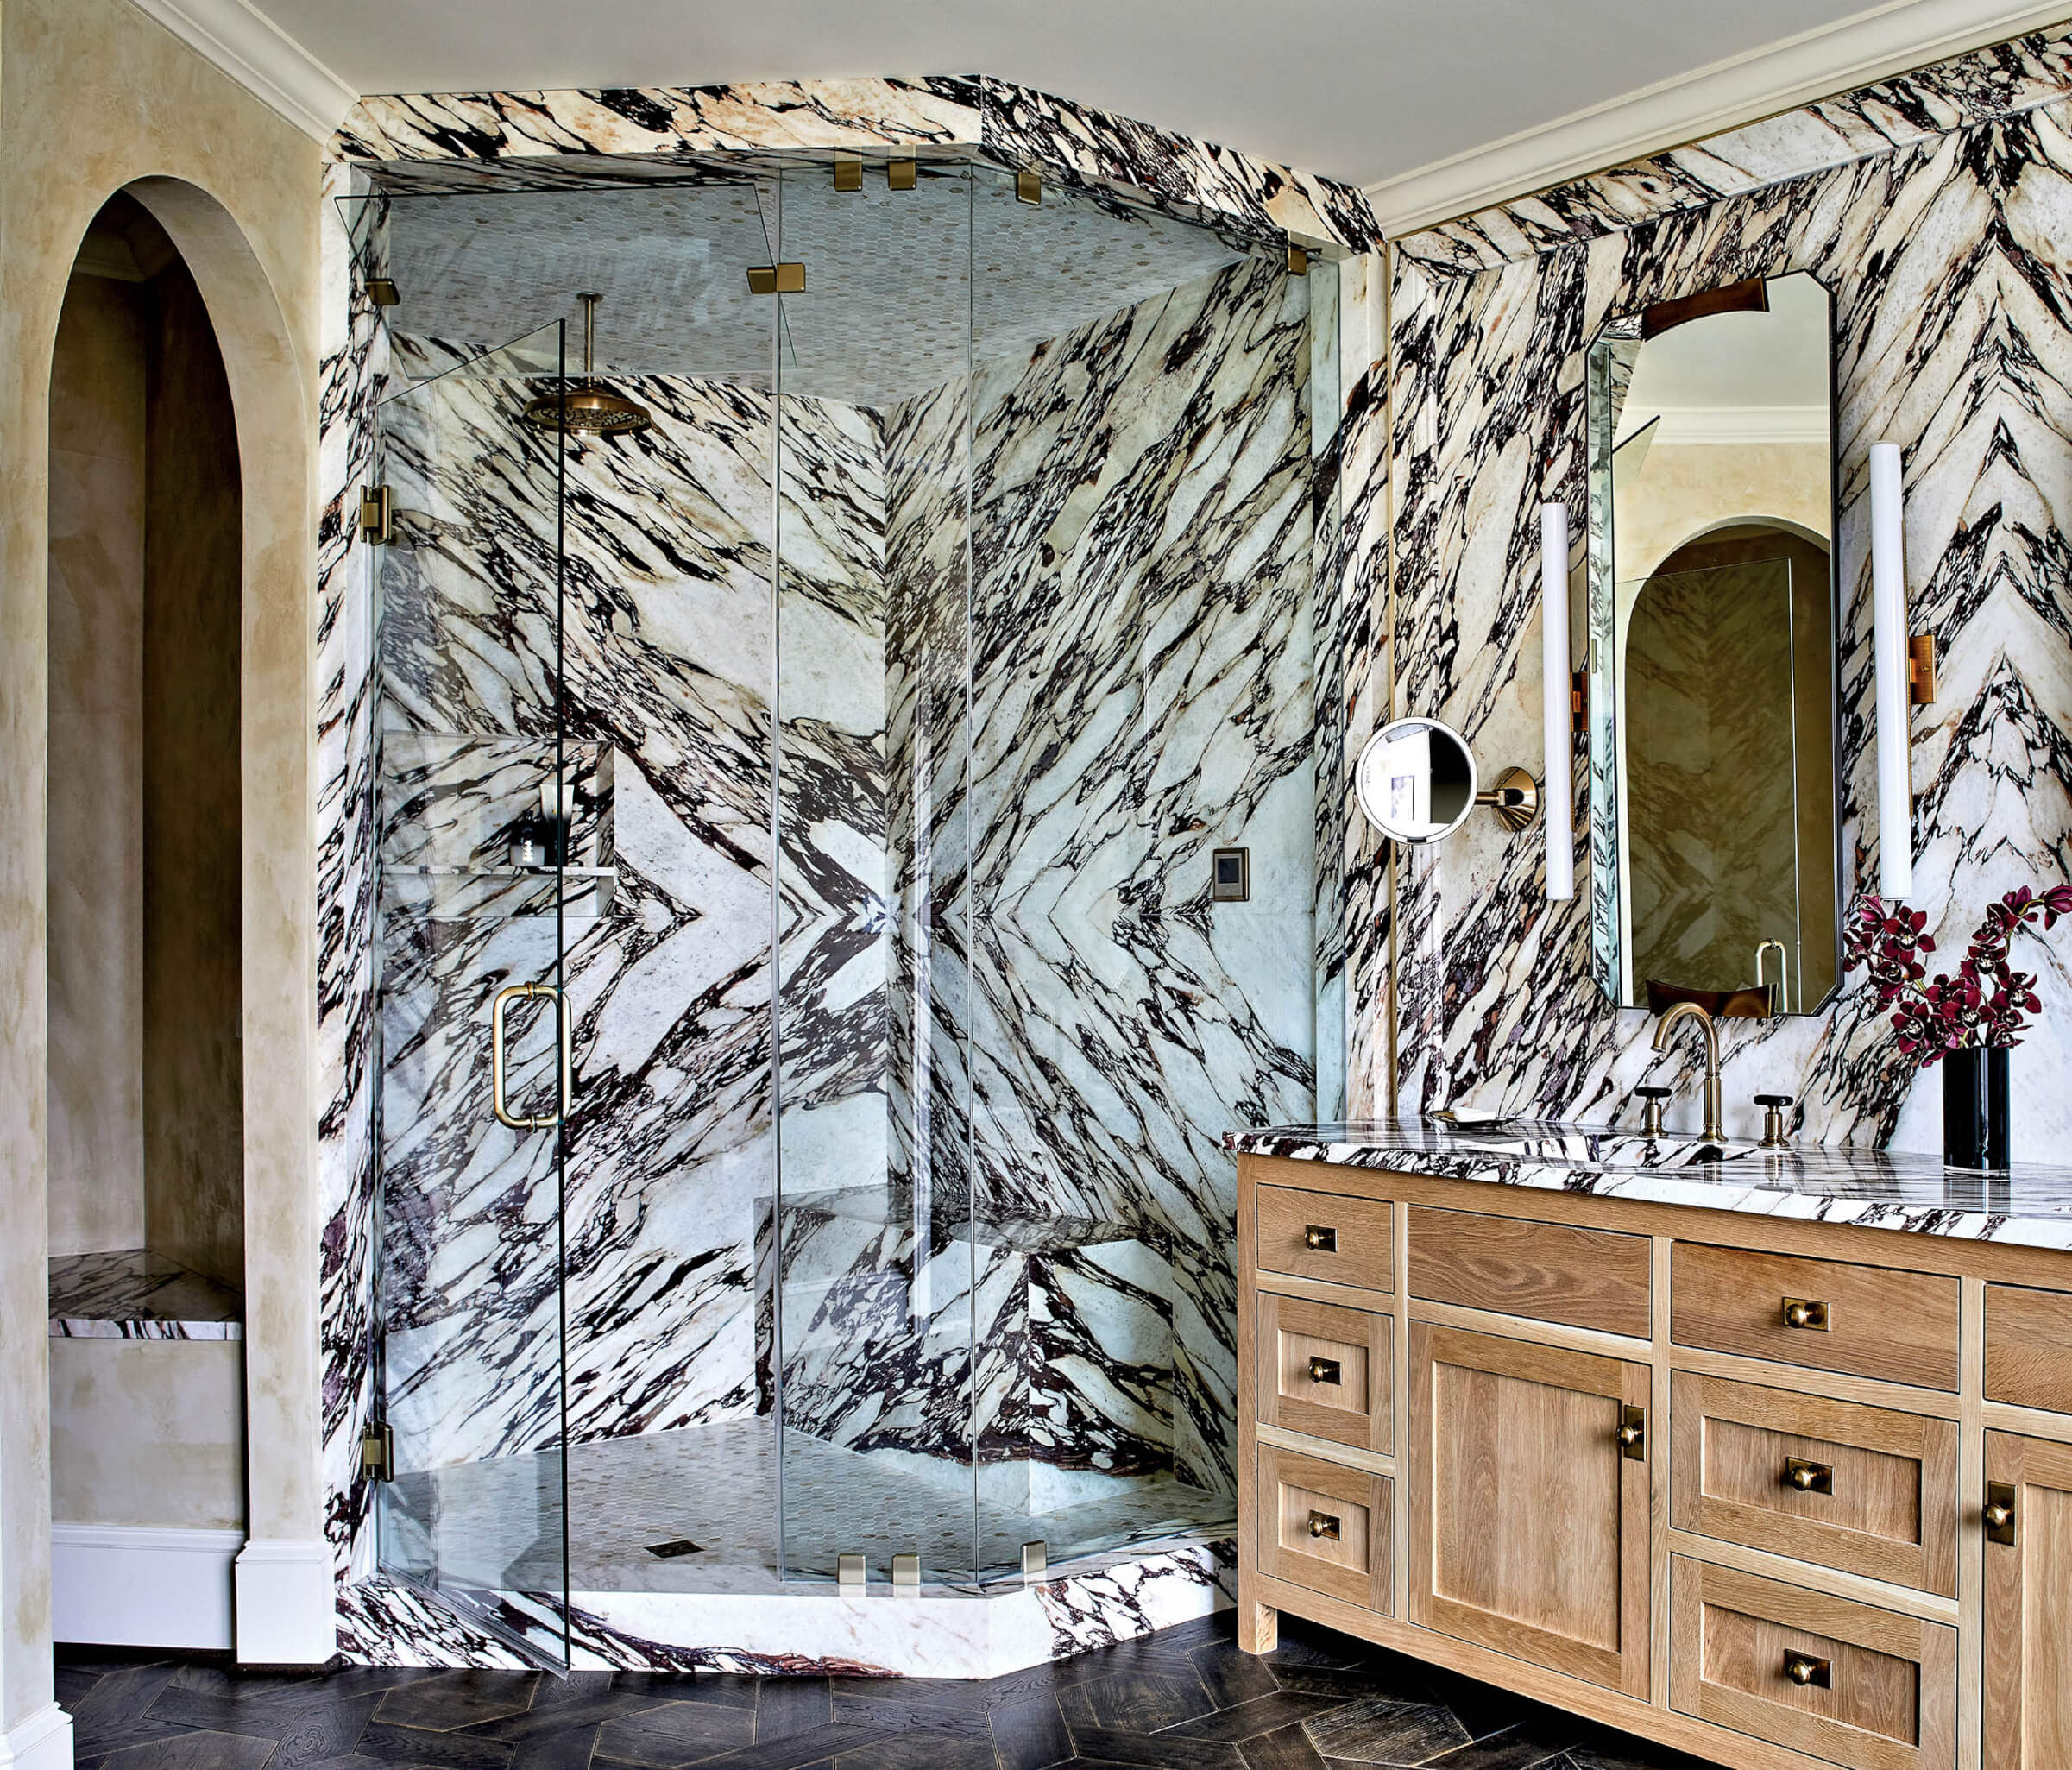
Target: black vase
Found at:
1975, 1108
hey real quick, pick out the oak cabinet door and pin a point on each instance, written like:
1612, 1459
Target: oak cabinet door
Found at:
1528, 1515
2027, 1711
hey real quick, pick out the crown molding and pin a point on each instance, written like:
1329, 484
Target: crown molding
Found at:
1823, 63
261, 58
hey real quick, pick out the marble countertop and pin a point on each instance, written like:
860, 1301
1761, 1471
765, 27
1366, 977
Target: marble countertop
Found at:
2029, 1205
138, 1295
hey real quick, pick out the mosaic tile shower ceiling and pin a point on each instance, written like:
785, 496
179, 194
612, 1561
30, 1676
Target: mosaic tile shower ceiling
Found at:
1932, 207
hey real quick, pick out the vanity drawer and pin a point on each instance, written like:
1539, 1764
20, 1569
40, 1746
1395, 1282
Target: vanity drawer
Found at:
1881, 1690
1585, 1277
1324, 1370
2029, 1347
1324, 1234
1866, 1490
1899, 1326
1325, 1526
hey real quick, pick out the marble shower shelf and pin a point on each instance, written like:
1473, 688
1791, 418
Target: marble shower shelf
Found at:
135, 1295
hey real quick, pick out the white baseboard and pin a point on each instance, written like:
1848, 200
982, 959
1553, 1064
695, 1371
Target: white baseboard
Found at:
41, 1742
130, 1586
288, 1603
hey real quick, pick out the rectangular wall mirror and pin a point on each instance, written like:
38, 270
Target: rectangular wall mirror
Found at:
1714, 852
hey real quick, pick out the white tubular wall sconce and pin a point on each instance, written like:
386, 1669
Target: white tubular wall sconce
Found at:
1556, 792
1890, 655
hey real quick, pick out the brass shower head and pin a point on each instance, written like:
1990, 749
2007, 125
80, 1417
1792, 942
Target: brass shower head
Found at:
585, 407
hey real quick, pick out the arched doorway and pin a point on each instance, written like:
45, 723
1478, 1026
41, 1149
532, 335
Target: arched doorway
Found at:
144, 954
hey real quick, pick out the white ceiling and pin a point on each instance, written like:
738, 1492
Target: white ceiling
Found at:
1360, 89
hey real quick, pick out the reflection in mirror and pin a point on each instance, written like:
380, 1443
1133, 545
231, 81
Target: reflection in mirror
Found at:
1416, 780
1714, 838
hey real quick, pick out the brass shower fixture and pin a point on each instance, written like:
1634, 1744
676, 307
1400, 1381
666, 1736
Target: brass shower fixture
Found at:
585, 407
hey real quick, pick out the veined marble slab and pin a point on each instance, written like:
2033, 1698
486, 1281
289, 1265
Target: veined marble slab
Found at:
2029, 1205
133, 1295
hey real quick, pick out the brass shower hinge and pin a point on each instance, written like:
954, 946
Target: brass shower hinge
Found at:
902, 170
378, 1451
374, 513
777, 280
1298, 260
384, 292
1579, 698
1029, 187
848, 172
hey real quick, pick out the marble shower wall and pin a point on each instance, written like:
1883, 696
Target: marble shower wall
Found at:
1935, 207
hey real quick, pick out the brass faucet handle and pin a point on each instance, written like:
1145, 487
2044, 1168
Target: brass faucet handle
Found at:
1650, 1114
1776, 1133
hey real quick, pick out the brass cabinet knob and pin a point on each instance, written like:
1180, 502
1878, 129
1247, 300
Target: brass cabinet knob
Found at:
1809, 1477
1322, 1237
1324, 1370
1324, 1525
1999, 1516
1631, 1434
1803, 1669
1805, 1312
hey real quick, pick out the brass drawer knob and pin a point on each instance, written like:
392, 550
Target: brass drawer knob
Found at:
1324, 1370
1805, 1671
1320, 1239
1997, 1514
1322, 1524
1809, 1477
1632, 1433
1806, 1312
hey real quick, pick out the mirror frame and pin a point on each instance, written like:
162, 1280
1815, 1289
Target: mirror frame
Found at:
1600, 628
1381, 737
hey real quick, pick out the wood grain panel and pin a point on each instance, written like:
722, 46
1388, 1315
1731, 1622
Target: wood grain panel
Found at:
2026, 1710
1892, 1511
2029, 1347
1584, 1277
1900, 1326
1355, 1409
1890, 1702
1529, 1529
1362, 1230
1351, 1560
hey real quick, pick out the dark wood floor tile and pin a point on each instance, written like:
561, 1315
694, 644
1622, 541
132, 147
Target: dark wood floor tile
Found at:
1287, 1749
116, 1705
72, 1682
1354, 1683
889, 1714
969, 1693
1522, 1748
1261, 1715
674, 1734
1031, 1734
1154, 1749
1183, 1638
785, 1706
918, 1751
1605, 1748
1231, 1676
394, 1744
718, 1689
1383, 1731
307, 1731
816, 1745
577, 1710
1136, 1702
193, 1751
454, 1699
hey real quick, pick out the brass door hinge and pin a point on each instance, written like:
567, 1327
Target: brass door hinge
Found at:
1632, 1433
375, 514
378, 1451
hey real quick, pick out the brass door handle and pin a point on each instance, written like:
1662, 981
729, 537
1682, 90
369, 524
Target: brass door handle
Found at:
1803, 1670
1322, 1237
1809, 1477
1806, 1312
499, 1010
1324, 1370
1998, 1512
1322, 1524
1632, 1433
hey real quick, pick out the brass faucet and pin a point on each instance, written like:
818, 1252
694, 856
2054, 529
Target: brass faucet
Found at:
1716, 1131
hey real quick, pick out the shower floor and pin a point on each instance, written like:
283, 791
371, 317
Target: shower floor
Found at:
717, 1486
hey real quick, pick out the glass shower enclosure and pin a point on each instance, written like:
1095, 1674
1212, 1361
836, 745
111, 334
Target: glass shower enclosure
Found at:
807, 1020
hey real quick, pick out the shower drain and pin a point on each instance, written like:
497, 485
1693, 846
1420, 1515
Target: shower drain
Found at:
670, 1551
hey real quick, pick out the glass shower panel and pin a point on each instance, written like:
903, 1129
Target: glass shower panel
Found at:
881, 1285
492, 852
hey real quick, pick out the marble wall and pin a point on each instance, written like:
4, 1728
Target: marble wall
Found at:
1932, 206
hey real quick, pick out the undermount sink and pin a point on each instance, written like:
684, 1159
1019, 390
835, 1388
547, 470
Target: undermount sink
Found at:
1582, 1145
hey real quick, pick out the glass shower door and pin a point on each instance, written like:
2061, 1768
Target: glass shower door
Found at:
881, 1282
488, 854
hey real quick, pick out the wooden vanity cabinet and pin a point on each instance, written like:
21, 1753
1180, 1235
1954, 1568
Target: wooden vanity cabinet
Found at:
1585, 1448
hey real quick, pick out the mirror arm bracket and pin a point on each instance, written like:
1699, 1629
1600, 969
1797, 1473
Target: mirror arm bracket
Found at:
1515, 799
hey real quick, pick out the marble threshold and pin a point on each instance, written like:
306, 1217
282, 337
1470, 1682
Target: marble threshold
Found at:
2028, 1204
135, 1294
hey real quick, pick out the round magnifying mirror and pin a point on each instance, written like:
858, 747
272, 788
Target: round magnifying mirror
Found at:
1416, 780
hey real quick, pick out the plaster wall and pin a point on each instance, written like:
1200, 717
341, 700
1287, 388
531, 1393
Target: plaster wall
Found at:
94, 97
